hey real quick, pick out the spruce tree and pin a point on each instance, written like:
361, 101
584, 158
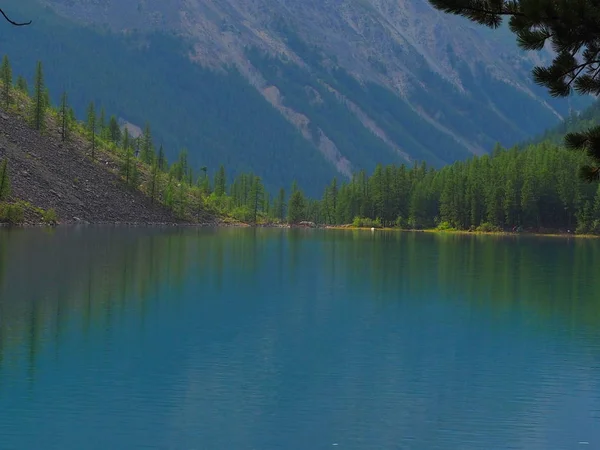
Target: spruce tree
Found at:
39, 101
571, 28
4, 181
6, 76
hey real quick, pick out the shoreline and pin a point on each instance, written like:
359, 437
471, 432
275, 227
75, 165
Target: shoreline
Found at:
469, 233
230, 224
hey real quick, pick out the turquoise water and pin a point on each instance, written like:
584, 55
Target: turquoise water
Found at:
279, 339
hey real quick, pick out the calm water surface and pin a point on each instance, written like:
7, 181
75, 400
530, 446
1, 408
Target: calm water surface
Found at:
274, 339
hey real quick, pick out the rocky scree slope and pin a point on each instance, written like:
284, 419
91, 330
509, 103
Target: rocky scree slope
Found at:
48, 173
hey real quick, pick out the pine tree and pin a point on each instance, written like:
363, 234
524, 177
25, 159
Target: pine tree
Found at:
6, 76
4, 181
39, 101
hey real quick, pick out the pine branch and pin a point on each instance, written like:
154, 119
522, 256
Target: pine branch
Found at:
12, 22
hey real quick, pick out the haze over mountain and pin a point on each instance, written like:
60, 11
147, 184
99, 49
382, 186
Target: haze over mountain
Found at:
291, 89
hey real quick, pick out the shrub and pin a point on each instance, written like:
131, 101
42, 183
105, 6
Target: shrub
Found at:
50, 217
487, 227
10, 213
445, 226
402, 223
365, 222
242, 213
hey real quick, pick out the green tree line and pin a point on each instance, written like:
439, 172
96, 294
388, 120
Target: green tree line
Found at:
535, 187
532, 188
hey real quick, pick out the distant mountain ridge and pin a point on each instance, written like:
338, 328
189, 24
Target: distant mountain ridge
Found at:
356, 82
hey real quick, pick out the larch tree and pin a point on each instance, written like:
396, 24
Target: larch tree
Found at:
572, 29
6, 77
39, 101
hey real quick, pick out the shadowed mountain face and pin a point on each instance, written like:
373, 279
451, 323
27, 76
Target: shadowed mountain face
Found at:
300, 89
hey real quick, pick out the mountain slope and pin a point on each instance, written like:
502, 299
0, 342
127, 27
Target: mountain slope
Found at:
50, 174
294, 88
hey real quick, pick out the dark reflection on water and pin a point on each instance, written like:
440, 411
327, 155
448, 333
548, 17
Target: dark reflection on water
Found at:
270, 339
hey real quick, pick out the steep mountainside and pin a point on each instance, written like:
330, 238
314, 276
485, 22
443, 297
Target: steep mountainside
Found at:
297, 89
47, 173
